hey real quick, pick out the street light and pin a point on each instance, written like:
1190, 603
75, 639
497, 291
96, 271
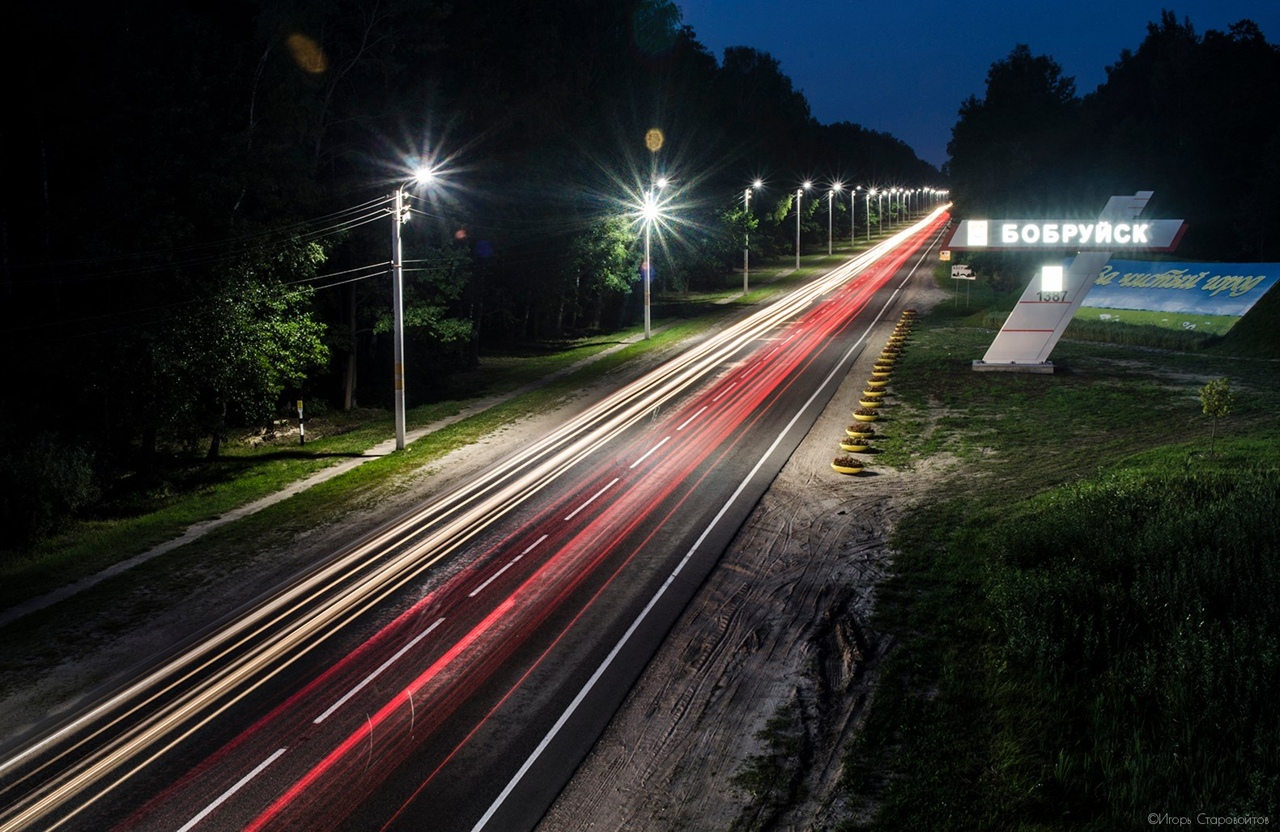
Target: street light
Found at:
400, 215
880, 210
649, 212
853, 215
831, 195
746, 236
870, 191
799, 193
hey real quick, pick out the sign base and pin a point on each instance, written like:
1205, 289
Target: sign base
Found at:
1039, 368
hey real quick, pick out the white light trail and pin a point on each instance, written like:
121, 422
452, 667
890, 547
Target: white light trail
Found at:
839, 369
119, 736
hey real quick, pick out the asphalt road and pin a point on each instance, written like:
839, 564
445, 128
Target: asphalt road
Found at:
450, 671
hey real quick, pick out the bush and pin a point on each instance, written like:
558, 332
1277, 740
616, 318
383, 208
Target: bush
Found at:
42, 484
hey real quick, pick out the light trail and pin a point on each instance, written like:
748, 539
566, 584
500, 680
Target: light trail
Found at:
72, 768
311, 814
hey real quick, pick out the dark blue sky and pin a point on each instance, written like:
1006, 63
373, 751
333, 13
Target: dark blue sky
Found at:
905, 67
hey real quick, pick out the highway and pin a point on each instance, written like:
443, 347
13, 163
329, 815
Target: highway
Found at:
450, 670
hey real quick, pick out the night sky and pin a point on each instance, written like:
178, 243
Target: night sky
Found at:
905, 67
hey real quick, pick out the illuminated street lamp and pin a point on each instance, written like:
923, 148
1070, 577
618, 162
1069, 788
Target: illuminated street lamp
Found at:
880, 210
746, 236
799, 193
399, 215
831, 195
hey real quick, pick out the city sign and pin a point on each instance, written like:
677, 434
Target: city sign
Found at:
1081, 235
1048, 304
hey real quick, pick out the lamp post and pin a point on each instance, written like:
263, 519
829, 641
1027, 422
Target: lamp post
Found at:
799, 194
649, 212
831, 196
400, 215
853, 215
746, 236
880, 210
870, 191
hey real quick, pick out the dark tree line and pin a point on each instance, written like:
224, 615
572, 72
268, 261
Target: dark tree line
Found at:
194, 222
1192, 117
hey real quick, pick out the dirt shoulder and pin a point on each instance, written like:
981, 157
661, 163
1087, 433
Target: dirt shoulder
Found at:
777, 641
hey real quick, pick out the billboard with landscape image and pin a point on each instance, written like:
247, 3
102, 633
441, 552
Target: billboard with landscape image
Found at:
1200, 297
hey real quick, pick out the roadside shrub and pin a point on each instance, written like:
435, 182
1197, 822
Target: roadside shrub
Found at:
42, 483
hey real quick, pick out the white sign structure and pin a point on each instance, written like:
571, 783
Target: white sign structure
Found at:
1050, 301
1095, 235
962, 272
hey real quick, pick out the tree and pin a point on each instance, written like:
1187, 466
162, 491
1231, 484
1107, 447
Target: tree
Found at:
1194, 119
1216, 400
1007, 149
230, 360
601, 263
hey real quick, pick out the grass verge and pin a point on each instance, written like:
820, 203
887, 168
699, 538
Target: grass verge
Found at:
1087, 619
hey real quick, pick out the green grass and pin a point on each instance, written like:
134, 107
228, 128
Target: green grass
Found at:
1180, 321
1086, 616
772, 780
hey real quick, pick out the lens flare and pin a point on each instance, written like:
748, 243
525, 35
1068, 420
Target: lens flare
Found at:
307, 54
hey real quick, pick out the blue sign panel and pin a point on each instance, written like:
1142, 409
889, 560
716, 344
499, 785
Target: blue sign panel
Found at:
1188, 288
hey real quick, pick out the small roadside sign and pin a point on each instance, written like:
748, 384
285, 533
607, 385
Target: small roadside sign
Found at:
945, 254
961, 271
